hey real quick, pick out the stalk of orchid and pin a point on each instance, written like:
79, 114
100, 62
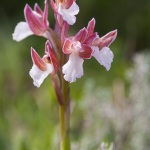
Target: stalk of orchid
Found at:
64, 55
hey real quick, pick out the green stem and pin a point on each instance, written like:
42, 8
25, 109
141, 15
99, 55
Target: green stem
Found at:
64, 116
64, 113
63, 96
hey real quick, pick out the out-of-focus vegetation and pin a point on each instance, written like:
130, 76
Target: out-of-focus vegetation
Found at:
106, 106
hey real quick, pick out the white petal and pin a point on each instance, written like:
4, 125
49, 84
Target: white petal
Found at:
22, 30
73, 69
69, 14
74, 9
104, 56
38, 75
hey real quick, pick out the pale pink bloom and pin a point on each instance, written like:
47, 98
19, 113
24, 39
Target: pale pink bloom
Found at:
83, 45
42, 67
102, 52
78, 48
36, 23
67, 9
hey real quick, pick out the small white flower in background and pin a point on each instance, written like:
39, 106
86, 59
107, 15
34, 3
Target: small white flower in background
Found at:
105, 146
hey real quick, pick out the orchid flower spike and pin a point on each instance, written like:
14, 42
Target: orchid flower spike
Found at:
42, 67
67, 9
102, 52
78, 49
36, 23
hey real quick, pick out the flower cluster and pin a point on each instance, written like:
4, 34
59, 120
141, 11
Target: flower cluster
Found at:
64, 54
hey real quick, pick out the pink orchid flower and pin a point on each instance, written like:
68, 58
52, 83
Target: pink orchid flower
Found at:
36, 23
79, 49
42, 67
102, 52
67, 9
84, 45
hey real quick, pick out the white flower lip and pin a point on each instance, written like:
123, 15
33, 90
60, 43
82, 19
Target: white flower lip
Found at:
104, 56
73, 69
69, 14
22, 30
38, 75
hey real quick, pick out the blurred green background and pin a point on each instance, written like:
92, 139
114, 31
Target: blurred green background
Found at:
111, 107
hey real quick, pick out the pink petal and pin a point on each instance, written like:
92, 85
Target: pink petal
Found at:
97, 42
91, 26
81, 35
45, 14
53, 5
64, 32
38, 9
109, 38
35, 21
37, 60
67, 47
86, 52
90, 39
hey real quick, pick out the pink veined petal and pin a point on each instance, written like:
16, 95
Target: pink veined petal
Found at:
104, 56
53, 5
64, 32
81, 35
97, 42
91, 26
45, 14
108, 38
22, 30
85, 52
73, 69
37, 60
38, 9
67, 47
38, 75
35, 21
69, 14
90, 39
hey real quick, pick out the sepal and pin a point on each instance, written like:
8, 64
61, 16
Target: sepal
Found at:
106, 40
91, 26
38, 61
81, 35
67, 46
38, 23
